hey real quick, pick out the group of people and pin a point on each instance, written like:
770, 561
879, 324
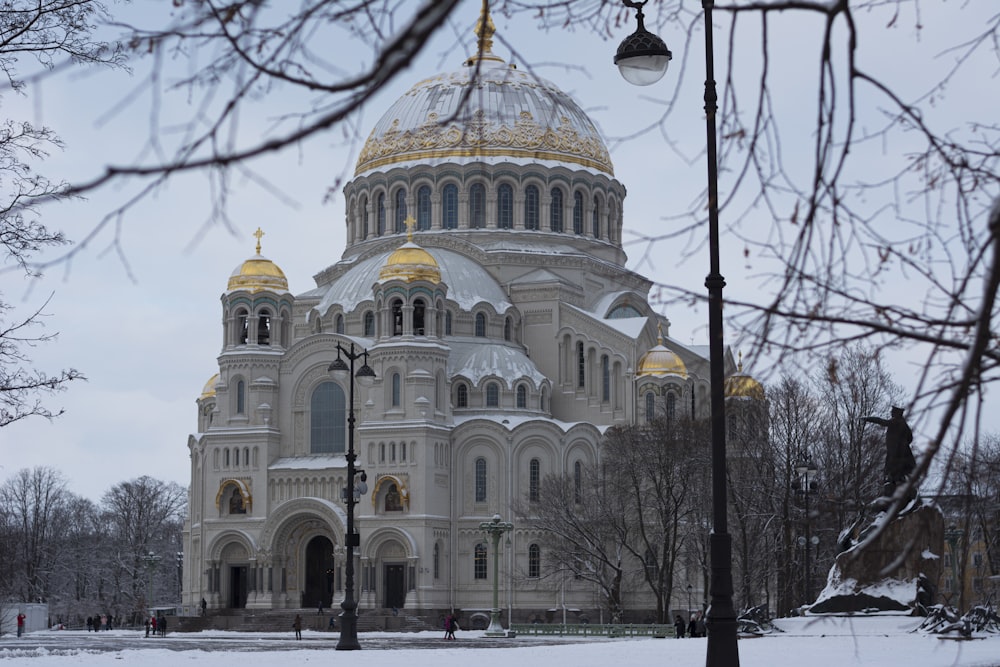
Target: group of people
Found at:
100, 622
156, 624
693, 628
450, 625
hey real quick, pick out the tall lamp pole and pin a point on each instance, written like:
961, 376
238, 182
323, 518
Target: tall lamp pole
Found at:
495, 528
806, 471
349, 617
642, 59
150, 560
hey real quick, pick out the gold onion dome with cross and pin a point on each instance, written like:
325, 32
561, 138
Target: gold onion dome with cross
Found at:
258, 273
660, 360
740, 385
489, 111
410, 262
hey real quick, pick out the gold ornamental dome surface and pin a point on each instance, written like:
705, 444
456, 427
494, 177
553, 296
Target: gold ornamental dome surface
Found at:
410, 262
660, 361
741, 385
208, 391
258, 274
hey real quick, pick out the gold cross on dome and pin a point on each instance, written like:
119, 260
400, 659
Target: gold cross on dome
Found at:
410, 223
258, 234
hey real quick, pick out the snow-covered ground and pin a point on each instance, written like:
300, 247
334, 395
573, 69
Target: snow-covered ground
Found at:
882, 641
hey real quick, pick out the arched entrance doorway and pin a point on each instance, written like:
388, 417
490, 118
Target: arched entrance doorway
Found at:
319, 573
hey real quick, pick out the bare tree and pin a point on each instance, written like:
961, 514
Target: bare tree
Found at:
50, 34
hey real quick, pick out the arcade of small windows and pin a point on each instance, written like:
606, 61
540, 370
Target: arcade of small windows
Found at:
260, 328
485, 209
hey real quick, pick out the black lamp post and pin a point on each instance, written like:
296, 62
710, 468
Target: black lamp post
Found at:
805, 484
349, 617
643, 58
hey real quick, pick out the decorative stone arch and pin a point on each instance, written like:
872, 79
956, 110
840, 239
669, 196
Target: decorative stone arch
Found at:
242, 487
220, 542
283, 519
381, 537
384, 481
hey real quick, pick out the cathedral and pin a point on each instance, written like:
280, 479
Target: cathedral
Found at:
484, 276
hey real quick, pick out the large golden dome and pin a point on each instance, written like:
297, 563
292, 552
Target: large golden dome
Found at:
488, 111
660, 361
258, 274
743, 386
410, 262
208, 391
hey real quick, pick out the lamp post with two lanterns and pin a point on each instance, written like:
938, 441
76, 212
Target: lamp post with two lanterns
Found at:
804, 485
349, 617
642, 59
495, 528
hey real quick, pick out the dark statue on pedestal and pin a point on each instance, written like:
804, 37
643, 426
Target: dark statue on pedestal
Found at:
899, 461
892, 563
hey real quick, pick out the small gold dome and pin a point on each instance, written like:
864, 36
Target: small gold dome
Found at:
660, 361
208, 391
743, 386
410, 262
258, 274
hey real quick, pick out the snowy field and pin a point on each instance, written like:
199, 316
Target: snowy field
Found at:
822, 642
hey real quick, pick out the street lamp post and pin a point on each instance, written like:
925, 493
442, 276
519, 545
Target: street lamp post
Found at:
495, 528
349, 617
689, 587
643, 59
805, 484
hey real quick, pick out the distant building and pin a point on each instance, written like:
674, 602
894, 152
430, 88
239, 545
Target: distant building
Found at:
484, 274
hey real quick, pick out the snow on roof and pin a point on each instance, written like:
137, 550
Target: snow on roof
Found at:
311, 462
479, 358
512, 421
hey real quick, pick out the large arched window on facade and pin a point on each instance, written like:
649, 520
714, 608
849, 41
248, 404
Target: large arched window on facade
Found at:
447, 323
396, 390
462, 396
578, 482
480, 324
480, 480
534, 561
581, 366
671, 406
531, 207
505, 206
437, 560
400, 225
424, 208
522, 396
380, 214
605, 378
492, 395
241, 397
338, 323
449, 206
650, 406
369, 323
556, 210
327, 419
477, 206
508, 327
534, 479
578, 213
479, 561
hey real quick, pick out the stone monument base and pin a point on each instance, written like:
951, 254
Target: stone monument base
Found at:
897, 571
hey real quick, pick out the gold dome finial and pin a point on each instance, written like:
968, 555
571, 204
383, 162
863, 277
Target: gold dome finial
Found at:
410, 223
740, 385
259, 233
485, 29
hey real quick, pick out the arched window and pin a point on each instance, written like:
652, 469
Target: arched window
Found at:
338, 324
556, 211
578, 213
424, 207
479, 562
605, 378
400, 226
477, 206
264, 327
650, 406
543, 399
581, 366
462, 396
492, 395
397, 318
225, 458
480, 480
534, 479
369, 323
364, 217
480, 324
596, 218
242, 327
505, 206
396, 389
531, 207
236, 457
419, 328
507, 328
327, 419
380, 214
437, 560
246, 457
671, 406
447, 323
449, 206
577, 482
522, 396
534, 561
241, 397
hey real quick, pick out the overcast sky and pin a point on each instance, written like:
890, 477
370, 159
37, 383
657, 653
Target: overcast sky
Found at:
137, 310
